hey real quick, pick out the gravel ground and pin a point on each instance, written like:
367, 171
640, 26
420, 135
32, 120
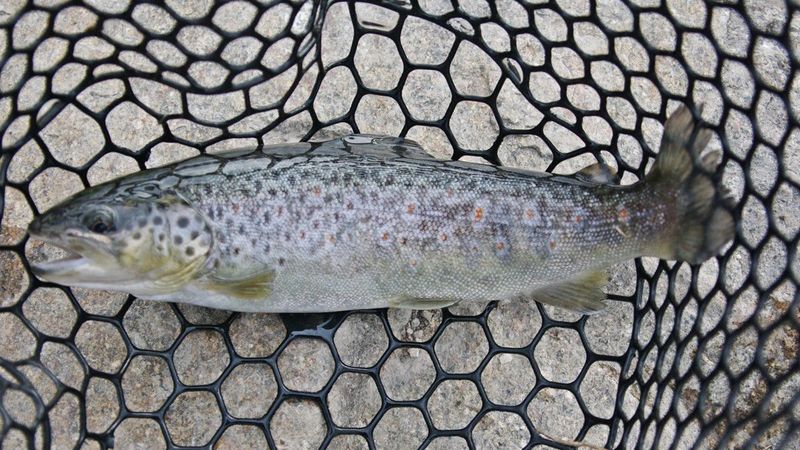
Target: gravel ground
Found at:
144, 85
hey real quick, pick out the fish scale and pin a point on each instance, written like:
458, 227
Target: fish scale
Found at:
371, 221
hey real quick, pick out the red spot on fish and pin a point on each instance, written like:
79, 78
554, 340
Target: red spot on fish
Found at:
443, 237
500, 246
411, 208
529, 214
623, 214
236, 207
552, 245
413, 263
331, 238
385, 237
302, 235
349, 205
403, 241
578, 219
280, 211
317, 191
478, 213
449, 192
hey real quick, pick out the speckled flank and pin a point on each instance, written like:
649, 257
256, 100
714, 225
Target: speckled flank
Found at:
363, 221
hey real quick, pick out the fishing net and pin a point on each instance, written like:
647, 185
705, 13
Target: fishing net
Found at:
683, 357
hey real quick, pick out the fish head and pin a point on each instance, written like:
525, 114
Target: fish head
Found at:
147, 244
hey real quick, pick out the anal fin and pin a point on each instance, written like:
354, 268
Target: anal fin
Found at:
251, 287
583, 294
420, 303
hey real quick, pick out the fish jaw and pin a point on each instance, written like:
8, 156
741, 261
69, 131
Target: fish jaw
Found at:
88, 259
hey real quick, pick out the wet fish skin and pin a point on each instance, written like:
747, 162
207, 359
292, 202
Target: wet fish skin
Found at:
370, 221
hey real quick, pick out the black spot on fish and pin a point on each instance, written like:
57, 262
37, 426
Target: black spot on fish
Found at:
271, 192
183, 222
189, 251
236, 251
254, 242
266, 217
281, 261
142, 223
178, 240
136, 236
161, 237
194, 235
241, 229
157, 220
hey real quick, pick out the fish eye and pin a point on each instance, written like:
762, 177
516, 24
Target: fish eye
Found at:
100, 223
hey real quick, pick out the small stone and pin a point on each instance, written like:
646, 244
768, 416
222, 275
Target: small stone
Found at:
234, 17
400, 428
278, 54
102, 407
473, 72
256, 335
151, 325
556, 413
192, 10
274, 20
241, 437
461, 347
560, 355
424, 42
216, 108
63, 363
501, 430
508, 378
122, 32
15, 279
361, 340
208, 74
200, 315
249, 390
298, 356
65, 422
168, 54
241, 51
201, 357
139, 434
20, 342
378, 114
131, 127
474, 125
378, 62
73, 137
110, 167
146, 383
426, 95
169, 152
68, 77
50, 311
99, 96
153, 18
454, 404
337, 34
348, 442
158, 97
74, 20
353, 400
336, 93
101, 345
193, 418
199, 40
298, 424
405, 376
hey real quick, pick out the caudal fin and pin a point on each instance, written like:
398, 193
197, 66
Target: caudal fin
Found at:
704, 225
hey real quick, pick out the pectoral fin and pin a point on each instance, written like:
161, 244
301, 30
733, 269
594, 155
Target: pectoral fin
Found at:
420, 303
250, 287
584, 294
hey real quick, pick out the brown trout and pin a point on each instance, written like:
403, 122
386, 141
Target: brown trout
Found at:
371, 222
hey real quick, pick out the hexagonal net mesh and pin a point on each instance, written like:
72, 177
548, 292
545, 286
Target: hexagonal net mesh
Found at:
684, 356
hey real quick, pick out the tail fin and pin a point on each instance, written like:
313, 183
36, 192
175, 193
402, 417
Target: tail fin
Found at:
704, 224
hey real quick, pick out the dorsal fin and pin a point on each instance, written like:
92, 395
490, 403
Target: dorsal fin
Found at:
384, 146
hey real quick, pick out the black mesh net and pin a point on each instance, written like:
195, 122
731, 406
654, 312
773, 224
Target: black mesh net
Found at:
684, 356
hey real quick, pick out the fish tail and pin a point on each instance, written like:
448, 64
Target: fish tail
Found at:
704, 223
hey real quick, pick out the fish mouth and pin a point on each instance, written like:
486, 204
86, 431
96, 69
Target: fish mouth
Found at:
68, 267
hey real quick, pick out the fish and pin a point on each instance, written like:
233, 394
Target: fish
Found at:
368, 221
